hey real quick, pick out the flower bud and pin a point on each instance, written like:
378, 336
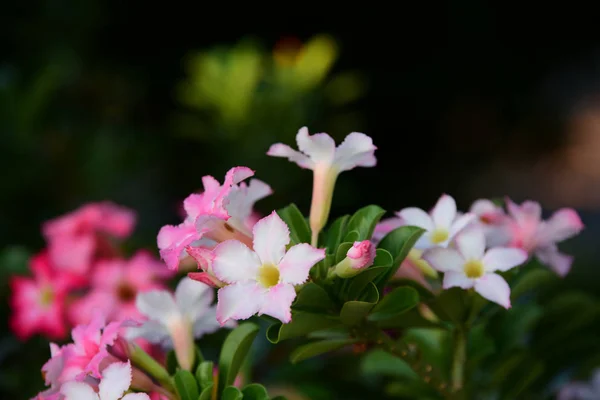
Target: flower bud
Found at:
358, 257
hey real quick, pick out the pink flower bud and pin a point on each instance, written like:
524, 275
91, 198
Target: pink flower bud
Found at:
358, 257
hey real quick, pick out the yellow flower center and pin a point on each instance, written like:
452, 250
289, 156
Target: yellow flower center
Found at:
268, 275
473, 269
439, 236
46, 296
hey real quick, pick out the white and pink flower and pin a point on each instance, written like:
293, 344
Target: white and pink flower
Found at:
262, 280
469, 265
319, 153
358, 257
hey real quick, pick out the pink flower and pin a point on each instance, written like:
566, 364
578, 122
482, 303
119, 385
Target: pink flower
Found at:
441, 224
76, 238
319, 153
262, 281
415, 268
539, 237
115, 284
115, 381
494, 222
470, 266
221, 212
384, 227
38, 303
358, 257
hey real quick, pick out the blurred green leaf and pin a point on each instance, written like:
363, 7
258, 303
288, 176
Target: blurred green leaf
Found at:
313, 298
234, 352
363, 221
186, 385
313, 349
255, 391
14, 260
204, 375
335, 233
398, 243
299, 228
395, 303
380, 362
302, 324
353, 312
231, 393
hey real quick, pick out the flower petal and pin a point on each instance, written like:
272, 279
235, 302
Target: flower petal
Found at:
557, 261
241, 199
563, 224
271, 235
136, 396
320, 147
471, 243
527, 211
460, 223
158, 305
357, 150
298, 261
278, 302
153, 331
444, 259
208, 323
494, 288
384, 227
283, 150
457, 279
416, 217
235, 262
444, 212
116, 379
78, 391
172, 241
239, 301
193, 298
503, 258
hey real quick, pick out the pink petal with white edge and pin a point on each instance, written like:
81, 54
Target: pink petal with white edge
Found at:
563, 224
444, 212
416, 217
271, 235
116, 379
78, 391
172, 241
471, 243
239, 301
205, 278
203, 257
278, 302
494, 288
557, 261
297, 262
503, 258
283, 150
235, 262
527, 211
457, 279
357, 150
461, 223
444, 259
320, 147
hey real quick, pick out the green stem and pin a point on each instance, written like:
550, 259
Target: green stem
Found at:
459, 358
314, 241
145, 362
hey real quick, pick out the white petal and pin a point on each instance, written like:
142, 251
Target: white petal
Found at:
136, 396
116, 379
459, 279
562, 225
557, 261
444, 212
241, 199
78, 391
503, 258
298, 261
207, 323
235, 262
444, 259
494, 288
471, 243
416, 217
357, 150
158, 305
460, 223
283, 150
193, 297
483, 206
271, 235
278, 302
239, 301
153, 331
320, 147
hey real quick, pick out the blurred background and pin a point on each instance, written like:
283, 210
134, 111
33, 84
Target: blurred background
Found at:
134, 103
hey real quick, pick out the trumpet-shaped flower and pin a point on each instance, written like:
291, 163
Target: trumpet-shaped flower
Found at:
175, 320
441, 224
319, 153
115, 284
494, 222
539, 237
470, 266
38, 303
115, 381
262, 280
221, 212
358, 257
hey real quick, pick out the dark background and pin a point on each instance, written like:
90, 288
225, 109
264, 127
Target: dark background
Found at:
463, 98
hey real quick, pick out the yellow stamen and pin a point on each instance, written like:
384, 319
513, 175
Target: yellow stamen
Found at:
268, 275
439, 236
473, 269
46, 296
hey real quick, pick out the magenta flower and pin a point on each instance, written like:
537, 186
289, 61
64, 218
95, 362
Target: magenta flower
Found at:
114, 286
220, 213
358, 257
38, 303
262, 280
468, 265
539, 237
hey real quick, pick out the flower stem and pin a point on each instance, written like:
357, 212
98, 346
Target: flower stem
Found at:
314, 241
459, 359
145, 362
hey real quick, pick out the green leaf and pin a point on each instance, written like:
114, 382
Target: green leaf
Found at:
207, 392
352, 236
255, 391
333, 333
398, 242
353, 312
381, 265
171, 362
186, 385
410, 319
341, 251
451, 305
396, 302
335, 233
532, 280
204, 375
302, 324
314, 349
231, 393
313, 298
299, 228
380, 362
14, 260
234, 351
364, 220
